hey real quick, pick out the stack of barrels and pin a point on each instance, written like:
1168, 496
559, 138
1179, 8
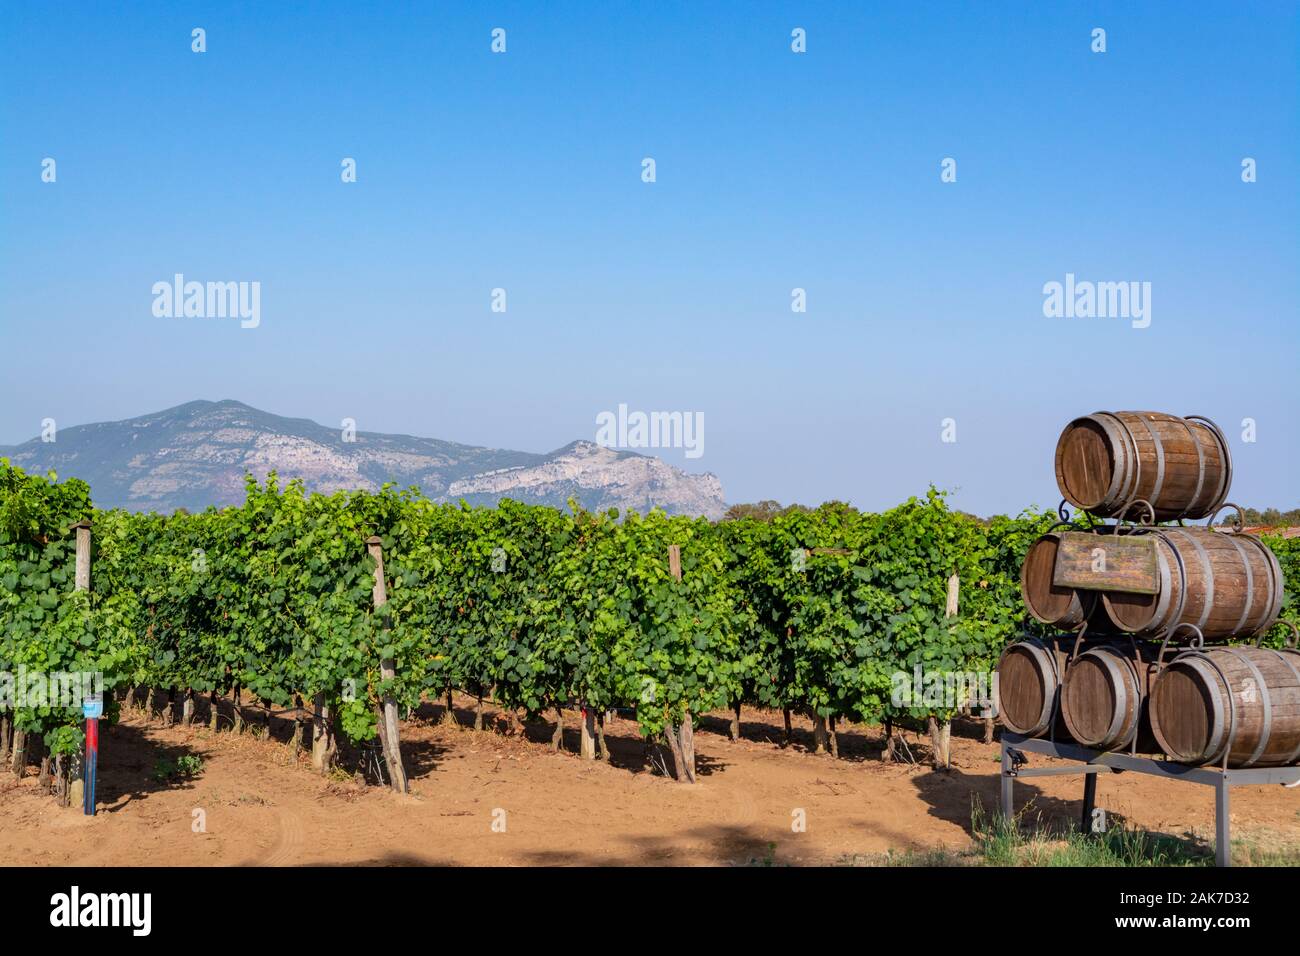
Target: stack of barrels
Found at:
1138, 604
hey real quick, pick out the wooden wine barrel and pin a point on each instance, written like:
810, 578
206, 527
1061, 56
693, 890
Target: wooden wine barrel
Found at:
1240, 701
1028, 681
1103, 695
1058, 606
1228, 585
1106, 460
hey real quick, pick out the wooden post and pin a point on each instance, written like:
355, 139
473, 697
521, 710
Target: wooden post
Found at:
82, 577
941, 731
61, 780
18, 757
954, 588
588, 744
44, 778
675, 746
688, 745
322, 736
557, 738
237, 701
684, 752
819, 734
296, 742
603, 753
940, 740
387, 670
81, 581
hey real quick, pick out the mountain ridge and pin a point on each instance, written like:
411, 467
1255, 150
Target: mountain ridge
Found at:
196, 454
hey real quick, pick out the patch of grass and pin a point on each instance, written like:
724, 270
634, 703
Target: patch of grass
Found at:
999, 842
183, 767
1002, 842
1247, 851
767, 859
938, 856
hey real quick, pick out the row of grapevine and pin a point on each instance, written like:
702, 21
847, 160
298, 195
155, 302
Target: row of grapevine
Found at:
815, 612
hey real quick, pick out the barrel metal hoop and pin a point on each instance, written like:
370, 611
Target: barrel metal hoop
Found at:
1265, 698
1250, 586
1134, 702
1128, 491
1137, 461
1208, 602
1160, 460
1291, 656
1177, 615
1107, 659
1231, 717
1052, 703
1275, 584
1221, 724
1166, 581
1200, 470
1225, 456
1036, 649
1056, 693
1117, 490
1049, 700
1273, 596
1158, 624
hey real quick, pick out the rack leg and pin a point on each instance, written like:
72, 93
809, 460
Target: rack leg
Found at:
1222, 838
1089, 801
1008, 782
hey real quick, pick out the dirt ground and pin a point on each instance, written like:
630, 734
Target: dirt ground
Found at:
262, 807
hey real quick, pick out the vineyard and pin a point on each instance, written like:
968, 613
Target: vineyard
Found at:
351, 609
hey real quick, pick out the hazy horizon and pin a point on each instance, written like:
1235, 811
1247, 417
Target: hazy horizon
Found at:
1260, 506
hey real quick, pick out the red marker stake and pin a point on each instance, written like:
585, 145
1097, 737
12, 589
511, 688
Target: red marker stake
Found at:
92, 762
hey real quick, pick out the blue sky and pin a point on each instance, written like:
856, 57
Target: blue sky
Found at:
775, 170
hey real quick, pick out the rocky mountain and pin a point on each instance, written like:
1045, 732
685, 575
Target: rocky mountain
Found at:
197, 454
